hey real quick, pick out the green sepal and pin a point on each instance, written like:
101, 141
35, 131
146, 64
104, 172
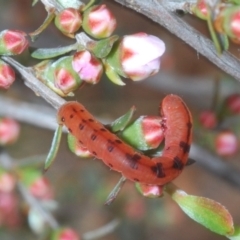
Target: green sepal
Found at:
114, 58
205, 211
134, 136
214, 36
54, 148
223, 39
103, 47
120, 123
45, 53
71, 142
113, 75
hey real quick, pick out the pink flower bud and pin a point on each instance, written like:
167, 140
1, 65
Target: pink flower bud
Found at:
65, 78
7, 75
99, 22
9, 131
145, 133
66, 234
69, 20
228, 22
12, 42
151, 191
77, 148
7, 182
137, 56
152, 130
41, 188
233, 103
88, 67
226, 143
208, 119
201, 9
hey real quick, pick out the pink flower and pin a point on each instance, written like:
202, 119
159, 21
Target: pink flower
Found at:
88, 67
226, 143
7, 75
12, 42
99, 22
69, 20
9, 131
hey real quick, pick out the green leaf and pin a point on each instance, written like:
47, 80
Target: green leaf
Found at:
103, 47
34, 2
205, 211
120, 123
113, 75
54, 147
44, 53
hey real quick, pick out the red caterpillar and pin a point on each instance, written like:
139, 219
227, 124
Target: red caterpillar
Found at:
119, 156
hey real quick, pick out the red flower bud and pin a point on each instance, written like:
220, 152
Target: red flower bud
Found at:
226, 143
208, 119
65, 78
12, 42
66, 234
233, 103
41, 188
99, 22
145, 133
7, 75
77, 148
68, 21
7, 182
88, 67
151, 191
201, 9
9, 131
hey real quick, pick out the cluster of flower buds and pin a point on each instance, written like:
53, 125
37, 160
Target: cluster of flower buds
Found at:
225, 142
12, 42
225, 18
135, 56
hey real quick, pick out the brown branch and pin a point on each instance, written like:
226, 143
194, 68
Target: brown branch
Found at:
160, 12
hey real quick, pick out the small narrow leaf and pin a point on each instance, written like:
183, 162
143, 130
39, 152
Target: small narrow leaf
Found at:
120, 123
54, 147
205, 211
103, 47
44, 53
